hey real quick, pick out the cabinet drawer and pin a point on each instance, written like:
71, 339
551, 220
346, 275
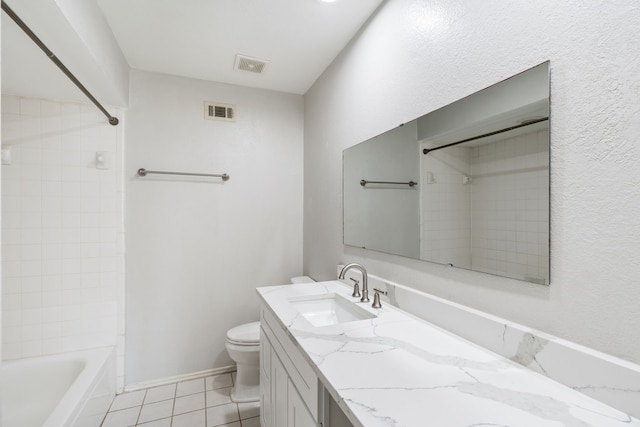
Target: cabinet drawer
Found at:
302, 375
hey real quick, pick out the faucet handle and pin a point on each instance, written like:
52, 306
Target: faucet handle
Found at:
356, 288
376, 298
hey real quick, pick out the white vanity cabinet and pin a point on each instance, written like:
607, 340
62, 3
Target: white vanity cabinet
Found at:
297, 413
289, 388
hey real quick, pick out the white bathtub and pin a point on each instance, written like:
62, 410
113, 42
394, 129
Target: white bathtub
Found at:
63, 390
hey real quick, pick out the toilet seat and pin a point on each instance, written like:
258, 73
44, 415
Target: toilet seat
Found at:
247, 334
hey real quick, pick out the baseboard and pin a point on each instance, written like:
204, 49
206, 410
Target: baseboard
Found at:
179, 378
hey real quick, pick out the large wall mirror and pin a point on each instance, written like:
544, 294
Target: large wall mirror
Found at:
465, 185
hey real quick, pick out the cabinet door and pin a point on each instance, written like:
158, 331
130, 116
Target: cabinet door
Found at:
266, 408
300, 371
298, 414
279, 391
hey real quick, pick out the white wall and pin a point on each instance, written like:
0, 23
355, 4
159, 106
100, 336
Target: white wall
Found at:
418, 56
63, 261
196, 247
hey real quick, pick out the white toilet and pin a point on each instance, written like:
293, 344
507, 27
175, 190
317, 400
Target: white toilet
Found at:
243, 346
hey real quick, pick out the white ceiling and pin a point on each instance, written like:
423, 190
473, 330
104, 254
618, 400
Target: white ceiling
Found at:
200, 39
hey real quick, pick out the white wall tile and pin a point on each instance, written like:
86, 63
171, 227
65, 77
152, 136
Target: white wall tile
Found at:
11, 350
30, 220
31, 316
51, 227
51, 345
10, 105
29, 107
30, 235
11, 285
32, 348
25, 285
11, 334
51, 299
52, 282
31, 332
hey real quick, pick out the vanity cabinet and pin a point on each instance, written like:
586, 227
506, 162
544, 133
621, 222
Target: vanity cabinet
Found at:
297, 413
289, 388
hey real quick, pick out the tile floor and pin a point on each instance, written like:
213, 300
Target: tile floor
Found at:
203, 402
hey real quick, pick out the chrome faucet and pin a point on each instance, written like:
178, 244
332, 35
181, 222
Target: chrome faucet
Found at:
365, 286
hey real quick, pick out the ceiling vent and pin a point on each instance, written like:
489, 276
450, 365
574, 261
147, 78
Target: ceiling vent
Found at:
218, 111
252, 65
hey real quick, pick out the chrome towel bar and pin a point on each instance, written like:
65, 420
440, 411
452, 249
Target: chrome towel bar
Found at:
144, 172
365, 182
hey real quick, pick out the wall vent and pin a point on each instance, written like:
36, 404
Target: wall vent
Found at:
252, 65
218, 111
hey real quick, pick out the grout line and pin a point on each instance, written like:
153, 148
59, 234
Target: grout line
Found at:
238, 410
175, 393
205, 403
172, 414
173, 407
141, 405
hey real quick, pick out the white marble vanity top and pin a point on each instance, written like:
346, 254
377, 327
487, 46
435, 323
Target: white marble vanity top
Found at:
398, 370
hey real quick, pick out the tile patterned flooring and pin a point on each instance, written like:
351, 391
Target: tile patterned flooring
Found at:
202, 402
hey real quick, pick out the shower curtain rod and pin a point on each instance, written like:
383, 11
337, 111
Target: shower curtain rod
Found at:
112, 120
527, 123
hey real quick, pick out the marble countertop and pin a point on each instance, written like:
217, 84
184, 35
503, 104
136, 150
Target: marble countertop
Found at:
398, 370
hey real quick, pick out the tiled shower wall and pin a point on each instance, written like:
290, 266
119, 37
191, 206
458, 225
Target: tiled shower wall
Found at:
446, 207
487, 207
511, 206
62, 229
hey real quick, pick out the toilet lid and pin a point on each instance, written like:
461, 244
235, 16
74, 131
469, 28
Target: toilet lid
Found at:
247, 333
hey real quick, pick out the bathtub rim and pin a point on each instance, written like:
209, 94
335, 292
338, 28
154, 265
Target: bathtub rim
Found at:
72, 402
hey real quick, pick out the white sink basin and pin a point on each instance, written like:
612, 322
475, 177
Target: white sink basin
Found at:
329, 309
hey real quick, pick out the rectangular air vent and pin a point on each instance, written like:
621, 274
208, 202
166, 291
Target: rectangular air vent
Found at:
218, 111
252, 65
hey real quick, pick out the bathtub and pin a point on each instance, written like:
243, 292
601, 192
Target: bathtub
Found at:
63, 390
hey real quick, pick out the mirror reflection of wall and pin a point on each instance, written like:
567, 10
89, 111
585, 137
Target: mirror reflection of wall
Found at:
390, 210
482, 196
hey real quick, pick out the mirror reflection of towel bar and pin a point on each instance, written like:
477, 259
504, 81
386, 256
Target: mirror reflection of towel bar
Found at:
410, 183
144, 172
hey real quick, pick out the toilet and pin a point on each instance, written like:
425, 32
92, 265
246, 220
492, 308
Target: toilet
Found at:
243, 346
